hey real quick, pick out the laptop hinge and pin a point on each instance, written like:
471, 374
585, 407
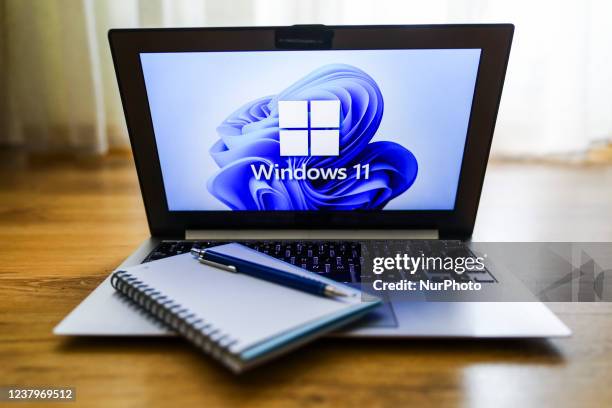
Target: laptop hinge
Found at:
310, 234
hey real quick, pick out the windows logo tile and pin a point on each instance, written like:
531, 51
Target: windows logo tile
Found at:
309, 128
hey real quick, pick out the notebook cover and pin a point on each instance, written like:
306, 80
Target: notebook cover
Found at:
251, 319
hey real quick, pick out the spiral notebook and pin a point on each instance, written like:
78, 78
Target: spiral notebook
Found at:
240, 320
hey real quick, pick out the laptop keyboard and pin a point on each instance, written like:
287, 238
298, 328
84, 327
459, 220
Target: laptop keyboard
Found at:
342, 260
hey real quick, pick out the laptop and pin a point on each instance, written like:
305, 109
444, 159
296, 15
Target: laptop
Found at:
311, 144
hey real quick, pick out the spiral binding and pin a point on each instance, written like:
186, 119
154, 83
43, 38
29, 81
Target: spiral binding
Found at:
199, 332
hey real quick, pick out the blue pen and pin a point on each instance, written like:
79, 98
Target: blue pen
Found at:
233, 264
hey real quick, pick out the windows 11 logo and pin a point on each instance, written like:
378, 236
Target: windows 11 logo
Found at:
309, 128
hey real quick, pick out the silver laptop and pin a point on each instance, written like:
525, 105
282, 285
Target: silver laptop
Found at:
314, 144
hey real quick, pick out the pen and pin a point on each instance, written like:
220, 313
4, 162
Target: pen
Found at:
233, 264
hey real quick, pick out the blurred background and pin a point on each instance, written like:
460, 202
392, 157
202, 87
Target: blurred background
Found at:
58, 91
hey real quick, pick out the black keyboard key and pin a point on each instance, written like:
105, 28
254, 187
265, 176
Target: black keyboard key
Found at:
340, 276
484, 280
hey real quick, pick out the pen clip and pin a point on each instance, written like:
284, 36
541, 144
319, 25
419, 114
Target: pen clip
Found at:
227, 268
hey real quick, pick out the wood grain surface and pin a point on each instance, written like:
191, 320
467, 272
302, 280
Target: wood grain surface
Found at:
64, 225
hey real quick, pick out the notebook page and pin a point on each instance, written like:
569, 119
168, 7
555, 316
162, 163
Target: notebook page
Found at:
247, 309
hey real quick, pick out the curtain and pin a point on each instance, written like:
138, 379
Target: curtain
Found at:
58, 90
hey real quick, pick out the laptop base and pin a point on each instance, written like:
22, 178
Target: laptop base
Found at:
105, 313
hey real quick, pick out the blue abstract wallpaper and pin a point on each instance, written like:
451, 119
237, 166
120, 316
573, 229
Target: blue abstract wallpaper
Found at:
402, 115
250, 136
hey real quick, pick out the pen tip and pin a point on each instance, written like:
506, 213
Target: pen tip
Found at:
333, 292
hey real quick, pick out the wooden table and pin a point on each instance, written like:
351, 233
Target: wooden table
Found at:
65, 226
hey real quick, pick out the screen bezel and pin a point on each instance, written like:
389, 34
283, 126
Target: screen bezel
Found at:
494, 41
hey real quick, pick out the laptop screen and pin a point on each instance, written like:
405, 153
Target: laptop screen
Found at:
317, 130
